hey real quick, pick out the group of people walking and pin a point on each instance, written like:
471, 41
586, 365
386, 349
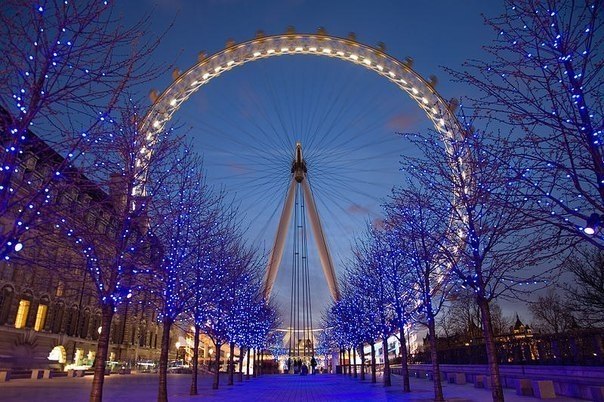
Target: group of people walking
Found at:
298, 366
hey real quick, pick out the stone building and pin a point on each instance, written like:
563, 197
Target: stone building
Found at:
49, 315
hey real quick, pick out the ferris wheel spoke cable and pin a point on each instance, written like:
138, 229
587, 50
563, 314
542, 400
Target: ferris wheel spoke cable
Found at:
244, 140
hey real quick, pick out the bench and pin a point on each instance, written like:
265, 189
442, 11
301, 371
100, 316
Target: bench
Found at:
524, 387
457, 378
544, 389
37, 374
597, 394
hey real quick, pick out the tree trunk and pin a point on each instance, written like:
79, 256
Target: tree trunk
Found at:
387, 379
231, 363
489, 340
342, 367
354, 362
195, 362
349, 363
102, 351
162, 394
217, 373
362, 354
373, 373
247, 375
404, 362
241, 354
438, 387
255, 364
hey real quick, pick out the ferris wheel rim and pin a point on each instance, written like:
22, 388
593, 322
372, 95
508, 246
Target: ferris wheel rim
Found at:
401, 73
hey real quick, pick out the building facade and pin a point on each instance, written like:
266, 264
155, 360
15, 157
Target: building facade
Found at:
49, 312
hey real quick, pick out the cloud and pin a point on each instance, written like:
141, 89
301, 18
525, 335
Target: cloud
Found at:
237, 168
378, 223
357, 209
404, 121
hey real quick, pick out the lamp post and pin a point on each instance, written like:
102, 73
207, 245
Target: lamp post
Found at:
593, 223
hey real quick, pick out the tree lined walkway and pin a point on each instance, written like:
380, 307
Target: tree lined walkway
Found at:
268, 388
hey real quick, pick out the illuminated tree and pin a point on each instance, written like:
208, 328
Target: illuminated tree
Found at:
65, 67
354, 319
228, 307
325, 344
542, 79
206, 240
244, 316
422, 233
112, 234
368, 277
390, 256
179, 210
491, 246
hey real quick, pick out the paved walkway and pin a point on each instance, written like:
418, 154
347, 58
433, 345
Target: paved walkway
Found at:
268, 388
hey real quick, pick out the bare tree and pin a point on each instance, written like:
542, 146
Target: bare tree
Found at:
501, 323
461, 316
551, 315
543, 79
586, 295
64, 67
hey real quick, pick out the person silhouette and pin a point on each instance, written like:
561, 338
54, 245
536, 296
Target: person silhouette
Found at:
313, 365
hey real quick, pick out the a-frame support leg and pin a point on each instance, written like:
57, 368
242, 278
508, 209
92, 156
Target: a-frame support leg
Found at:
277, 251
319, 235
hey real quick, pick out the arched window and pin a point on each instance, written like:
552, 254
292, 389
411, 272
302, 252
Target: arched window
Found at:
96, 324
84, 324
71, 323
57, 319
142, 334
41, 314
6, 299
23, 310
113, 338
60, 289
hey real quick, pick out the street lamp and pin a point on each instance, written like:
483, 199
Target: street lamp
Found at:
593, 223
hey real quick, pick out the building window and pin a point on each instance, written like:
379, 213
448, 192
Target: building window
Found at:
40, 317
6, 298
22, 313
71, 322
58, 318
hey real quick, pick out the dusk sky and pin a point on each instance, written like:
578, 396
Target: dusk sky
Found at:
246, 122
